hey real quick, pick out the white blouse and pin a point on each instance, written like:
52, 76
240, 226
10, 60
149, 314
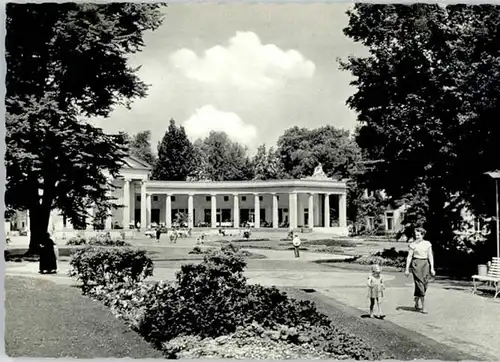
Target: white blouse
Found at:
421, 249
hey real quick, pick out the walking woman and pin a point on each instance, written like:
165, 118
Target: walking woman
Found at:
421, 262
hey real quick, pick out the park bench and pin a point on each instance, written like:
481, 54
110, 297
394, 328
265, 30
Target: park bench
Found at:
492, 277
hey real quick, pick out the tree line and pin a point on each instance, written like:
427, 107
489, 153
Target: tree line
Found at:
218, 158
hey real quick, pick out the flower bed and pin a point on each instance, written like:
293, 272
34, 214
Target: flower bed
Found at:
230, 246
100, 240
211, 311
387, 257
245, 240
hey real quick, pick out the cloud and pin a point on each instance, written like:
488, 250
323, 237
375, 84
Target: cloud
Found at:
245, 63
208, 118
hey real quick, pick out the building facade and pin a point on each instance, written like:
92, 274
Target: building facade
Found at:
316, 202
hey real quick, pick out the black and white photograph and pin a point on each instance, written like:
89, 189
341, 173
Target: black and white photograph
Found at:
252, 180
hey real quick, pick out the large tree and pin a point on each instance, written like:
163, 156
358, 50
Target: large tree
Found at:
65, 61
302, 149
266, 164
428, 102
223, 159
139, 145
176, 155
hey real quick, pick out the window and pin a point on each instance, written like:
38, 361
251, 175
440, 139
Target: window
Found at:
278, 198
226, 198
285, 210
243, 198
260, 198
207, 198
138, 198
370, 223
173, 198
155, 198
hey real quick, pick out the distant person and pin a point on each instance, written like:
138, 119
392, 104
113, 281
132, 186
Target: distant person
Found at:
173, 236
421, 262
138, 225
296, 245
158, 233
48, 256
376, 288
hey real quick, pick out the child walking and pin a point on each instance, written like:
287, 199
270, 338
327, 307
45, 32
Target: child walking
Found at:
376, 290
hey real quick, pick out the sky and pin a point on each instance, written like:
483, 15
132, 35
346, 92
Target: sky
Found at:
250, 70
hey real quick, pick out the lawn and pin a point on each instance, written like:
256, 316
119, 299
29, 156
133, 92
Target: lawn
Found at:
43, 319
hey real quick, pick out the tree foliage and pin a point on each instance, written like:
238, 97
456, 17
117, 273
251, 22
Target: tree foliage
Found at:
139, 146
65, 61
266, 164
427, 99
57, 164
176, 155
222, 159
301, 150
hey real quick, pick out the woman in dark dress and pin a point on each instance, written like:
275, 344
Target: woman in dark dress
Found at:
48, 259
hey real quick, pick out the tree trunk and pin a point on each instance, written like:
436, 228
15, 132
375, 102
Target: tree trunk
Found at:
39, 225
437, 224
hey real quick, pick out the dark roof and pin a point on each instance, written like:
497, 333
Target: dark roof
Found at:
141, 162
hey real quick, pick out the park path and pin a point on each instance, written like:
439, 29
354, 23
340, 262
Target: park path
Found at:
469, 323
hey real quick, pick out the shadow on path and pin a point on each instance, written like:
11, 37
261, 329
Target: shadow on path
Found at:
407, 309
392, 340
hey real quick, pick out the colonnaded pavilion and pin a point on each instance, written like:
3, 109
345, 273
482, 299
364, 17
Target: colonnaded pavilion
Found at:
316, 202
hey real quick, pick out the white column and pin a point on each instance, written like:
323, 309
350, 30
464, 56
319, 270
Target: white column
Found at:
28, 227
292, 209
342, 210
214, 210
310, 213
126, 204
236, 210
90, 217
190, 211
327, 211
168, 211
256, 211
275, 211
108, 223
143, 206
148, 210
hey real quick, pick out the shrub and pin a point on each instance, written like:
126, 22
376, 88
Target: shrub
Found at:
212, 299
76, 240
248, 240
127, 300
205, 300
196, 250
95, 266
387, 257
269, 306
331, 243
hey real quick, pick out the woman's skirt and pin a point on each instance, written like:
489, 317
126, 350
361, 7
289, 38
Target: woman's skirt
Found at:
421, 275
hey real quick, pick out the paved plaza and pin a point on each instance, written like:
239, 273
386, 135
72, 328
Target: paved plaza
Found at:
466, 322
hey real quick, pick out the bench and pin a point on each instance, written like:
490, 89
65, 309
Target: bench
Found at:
493, 277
